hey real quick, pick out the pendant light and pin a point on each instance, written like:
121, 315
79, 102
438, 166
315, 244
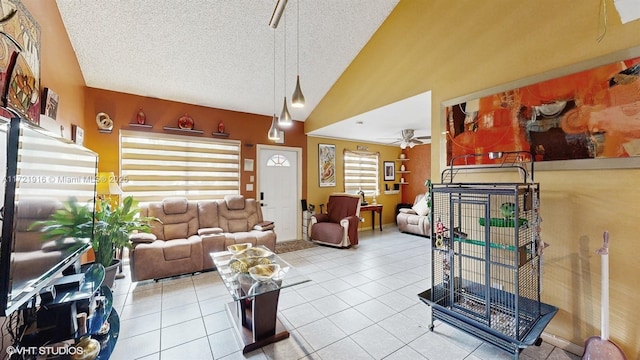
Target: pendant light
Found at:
297, 99
274, 134
285, 116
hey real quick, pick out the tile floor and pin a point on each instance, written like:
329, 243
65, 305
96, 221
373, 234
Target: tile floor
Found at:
361, 304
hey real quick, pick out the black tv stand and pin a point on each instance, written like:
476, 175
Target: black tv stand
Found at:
56, 320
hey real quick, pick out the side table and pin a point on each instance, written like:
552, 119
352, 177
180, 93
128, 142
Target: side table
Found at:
255, 306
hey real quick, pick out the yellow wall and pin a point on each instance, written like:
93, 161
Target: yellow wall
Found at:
455, 48
319, 195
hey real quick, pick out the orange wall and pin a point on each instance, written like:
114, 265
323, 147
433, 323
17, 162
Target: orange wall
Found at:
250, 129
419, 164
59, 69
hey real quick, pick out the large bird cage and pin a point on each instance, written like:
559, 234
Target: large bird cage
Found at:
486, 256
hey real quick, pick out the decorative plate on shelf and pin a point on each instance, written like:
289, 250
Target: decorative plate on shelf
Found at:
185, 122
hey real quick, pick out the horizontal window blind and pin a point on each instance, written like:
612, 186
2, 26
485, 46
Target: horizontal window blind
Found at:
49, 167
360, 172
155, 166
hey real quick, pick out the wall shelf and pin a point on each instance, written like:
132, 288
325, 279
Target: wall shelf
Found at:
144, 126
219, 134
405, 159
403, 172
391, 192
193, 131
105, 131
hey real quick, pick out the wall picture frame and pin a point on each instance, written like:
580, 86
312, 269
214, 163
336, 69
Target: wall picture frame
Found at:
389, 170
326, 165
50, 103
77, 134
583, 116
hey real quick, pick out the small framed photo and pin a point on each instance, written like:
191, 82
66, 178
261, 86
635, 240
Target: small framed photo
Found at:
77, 134
389, 171
50, 104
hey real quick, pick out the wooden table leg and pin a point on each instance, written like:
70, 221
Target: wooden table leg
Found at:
256, 321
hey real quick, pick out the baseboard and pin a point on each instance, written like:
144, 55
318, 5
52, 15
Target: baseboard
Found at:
562, 344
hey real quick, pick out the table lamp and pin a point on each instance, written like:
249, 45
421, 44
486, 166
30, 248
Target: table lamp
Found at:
106, 186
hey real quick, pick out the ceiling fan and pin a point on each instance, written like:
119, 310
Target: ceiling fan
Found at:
408, 139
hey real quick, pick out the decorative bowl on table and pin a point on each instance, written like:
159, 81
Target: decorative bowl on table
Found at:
253, 252
236, 248
243, 265
264, 272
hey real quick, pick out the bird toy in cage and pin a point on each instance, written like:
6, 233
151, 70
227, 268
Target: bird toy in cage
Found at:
440, 229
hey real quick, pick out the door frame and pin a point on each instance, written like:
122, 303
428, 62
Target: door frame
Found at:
298, 151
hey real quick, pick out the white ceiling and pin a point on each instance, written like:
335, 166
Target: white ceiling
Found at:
220, 53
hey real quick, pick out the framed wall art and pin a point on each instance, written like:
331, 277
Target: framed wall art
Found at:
327, 165
22, 51
50, 103
77, 134
587, 118
389, 169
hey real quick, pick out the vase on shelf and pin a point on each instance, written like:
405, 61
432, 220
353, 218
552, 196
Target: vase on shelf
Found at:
141, 117
221, 127
185, 122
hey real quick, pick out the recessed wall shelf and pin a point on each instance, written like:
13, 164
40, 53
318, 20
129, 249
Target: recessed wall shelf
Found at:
145, 126
219, 134
391, 192
193, 131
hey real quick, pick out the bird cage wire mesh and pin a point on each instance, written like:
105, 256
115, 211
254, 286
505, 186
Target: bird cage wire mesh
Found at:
486, 256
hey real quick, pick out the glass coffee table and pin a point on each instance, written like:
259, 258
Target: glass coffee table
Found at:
255, 306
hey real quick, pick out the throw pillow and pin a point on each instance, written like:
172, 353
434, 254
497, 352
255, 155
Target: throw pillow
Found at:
420, 207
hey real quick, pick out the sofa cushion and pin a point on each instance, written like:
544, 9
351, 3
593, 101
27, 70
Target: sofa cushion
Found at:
234, 202
238, 225
176, 249
420, 207
174, 205
176, 231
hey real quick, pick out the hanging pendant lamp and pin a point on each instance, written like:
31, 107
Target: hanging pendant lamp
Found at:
297, 99
285, 116
274, 133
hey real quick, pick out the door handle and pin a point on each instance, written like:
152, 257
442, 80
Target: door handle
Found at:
261, 195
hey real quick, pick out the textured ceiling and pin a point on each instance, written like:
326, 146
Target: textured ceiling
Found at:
220, 53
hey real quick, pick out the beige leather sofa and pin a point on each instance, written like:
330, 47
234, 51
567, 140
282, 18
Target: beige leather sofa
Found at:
415, 220
188, 231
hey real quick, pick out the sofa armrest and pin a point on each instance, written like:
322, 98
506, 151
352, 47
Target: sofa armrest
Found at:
264, 226
320, 218
210, 231
407, 211
142, 238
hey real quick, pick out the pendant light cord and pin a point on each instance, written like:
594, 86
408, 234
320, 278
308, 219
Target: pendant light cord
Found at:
274, 72
284, 73
298, 37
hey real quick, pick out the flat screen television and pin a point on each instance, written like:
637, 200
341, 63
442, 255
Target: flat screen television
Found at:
41, 172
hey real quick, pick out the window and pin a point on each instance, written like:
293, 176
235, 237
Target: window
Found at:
155, 166
278, 160
360, 172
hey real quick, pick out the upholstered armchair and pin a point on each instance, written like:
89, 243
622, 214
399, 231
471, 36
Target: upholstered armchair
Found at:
339, 226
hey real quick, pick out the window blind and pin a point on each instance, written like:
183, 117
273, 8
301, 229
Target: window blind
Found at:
53, 168
155, 166
360, 172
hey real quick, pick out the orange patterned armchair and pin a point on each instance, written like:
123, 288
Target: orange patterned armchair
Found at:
339, 226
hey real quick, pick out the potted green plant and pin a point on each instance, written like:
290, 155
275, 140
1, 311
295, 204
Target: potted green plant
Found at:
112, 226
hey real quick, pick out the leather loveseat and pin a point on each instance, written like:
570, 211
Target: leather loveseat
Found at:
415, 220
189, 231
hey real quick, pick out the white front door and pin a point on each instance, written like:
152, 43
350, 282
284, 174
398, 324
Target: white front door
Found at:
279, 188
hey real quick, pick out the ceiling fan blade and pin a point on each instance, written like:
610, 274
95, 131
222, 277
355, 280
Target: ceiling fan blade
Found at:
423, 137
416, 141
